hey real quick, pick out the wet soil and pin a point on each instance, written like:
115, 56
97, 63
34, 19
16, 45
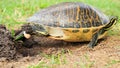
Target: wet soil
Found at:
21, 54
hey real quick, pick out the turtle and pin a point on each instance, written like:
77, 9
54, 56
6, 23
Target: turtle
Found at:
71, 22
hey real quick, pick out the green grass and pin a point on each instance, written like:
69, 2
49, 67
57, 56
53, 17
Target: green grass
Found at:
54, 60
112, 62
83, 64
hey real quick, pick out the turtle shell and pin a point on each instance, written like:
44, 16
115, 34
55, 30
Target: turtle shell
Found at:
70, 15
69, 21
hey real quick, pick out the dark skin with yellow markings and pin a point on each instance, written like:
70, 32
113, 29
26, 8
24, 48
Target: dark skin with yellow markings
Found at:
72, 22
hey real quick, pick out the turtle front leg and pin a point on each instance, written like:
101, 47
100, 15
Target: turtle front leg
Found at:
22, 35
94, 40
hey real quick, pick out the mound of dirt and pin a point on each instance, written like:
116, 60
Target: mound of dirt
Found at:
13, 50
7, 46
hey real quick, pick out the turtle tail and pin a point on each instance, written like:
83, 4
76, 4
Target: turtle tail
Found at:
112, 21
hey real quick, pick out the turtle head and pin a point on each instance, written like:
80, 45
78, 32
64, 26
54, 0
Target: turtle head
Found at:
31, 29
39, 29
25, 32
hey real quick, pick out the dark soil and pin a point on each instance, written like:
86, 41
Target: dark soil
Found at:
7, 46
13, 50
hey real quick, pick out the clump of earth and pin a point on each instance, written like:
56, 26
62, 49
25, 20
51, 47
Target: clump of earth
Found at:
13, 50
7, 46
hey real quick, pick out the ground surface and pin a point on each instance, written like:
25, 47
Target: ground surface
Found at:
14, 55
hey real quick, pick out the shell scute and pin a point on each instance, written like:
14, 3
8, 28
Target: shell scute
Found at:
70, 15
75, 31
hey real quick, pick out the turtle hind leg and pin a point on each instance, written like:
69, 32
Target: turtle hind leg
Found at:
94, 40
